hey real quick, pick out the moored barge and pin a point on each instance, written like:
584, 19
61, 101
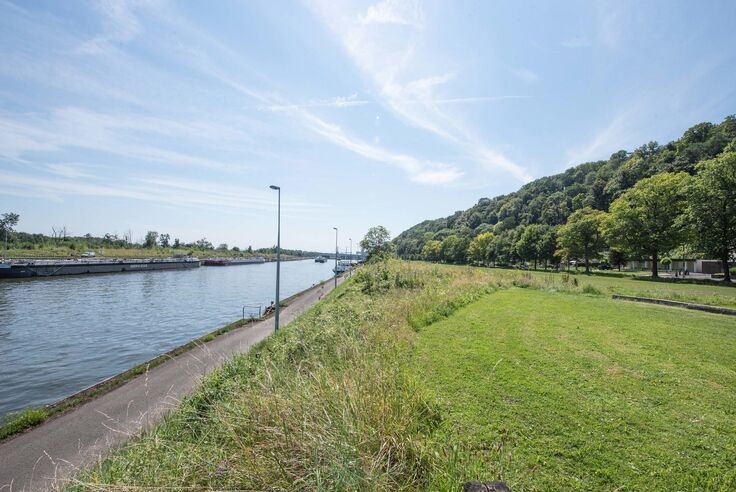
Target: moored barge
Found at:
233, 261
52, 268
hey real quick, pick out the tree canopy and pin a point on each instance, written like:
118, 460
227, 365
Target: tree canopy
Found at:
650, 218
582, 235
713, 207
376, 242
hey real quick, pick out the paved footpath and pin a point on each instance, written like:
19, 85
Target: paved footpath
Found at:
44, 457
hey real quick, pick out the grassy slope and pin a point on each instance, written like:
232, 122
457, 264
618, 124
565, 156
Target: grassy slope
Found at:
335, 400
555, 392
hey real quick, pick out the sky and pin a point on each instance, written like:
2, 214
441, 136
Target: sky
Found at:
121, 116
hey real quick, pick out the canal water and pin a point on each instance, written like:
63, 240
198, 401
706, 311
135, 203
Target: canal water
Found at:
60, 335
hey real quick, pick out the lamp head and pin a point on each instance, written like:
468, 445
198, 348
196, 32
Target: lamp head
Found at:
274, 187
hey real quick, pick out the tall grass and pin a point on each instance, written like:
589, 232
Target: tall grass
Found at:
328, 403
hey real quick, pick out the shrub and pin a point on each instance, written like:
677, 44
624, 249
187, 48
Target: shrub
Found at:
589, 289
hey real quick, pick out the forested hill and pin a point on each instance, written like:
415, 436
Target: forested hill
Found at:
550, 200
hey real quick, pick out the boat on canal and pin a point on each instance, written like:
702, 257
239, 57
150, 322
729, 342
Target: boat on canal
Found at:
52, 268
320, 259
233, 261
342, 266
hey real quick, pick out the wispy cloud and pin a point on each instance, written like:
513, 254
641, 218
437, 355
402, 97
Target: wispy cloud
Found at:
388, 60
119, 25
407, 13
616, 135
68, 170
164, 190
335, 102
419, 170
70, 128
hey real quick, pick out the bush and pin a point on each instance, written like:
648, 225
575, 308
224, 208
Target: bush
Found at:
589, 289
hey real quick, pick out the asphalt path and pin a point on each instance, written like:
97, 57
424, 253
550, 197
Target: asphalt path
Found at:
45, 457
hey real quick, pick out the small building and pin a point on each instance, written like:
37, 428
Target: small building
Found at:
691, 265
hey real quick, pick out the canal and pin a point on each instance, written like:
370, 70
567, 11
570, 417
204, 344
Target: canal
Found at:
60, 335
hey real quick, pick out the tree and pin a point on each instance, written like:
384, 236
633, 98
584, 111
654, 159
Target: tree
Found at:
617, 258
581, 236
177, 243
479, 248
712, 207
376, 243
453, 249
151, 238
547, 247
432, 250
163, 240
204, 244
650, 218
528, 245
7, 225
222, 247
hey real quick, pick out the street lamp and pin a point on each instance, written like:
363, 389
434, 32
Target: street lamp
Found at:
336, 254
278, 257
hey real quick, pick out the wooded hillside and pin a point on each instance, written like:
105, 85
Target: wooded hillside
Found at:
550, 201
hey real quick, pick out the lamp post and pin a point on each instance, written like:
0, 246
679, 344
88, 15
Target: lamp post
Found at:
336, 254
278, 257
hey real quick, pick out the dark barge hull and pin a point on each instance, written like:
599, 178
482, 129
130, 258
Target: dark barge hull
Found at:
28, 270
231, 262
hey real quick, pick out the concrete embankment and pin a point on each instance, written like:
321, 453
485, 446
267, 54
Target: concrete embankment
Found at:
685, 305
49, 454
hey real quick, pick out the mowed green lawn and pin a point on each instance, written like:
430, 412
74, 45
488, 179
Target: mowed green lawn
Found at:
553, 391
631, 284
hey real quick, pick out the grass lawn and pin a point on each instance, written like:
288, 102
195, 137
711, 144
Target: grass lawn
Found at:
553, 391
636, 284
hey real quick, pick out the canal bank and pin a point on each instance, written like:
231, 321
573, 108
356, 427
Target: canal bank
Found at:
50, 453
59, 335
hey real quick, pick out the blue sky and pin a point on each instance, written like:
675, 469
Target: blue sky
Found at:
176, 116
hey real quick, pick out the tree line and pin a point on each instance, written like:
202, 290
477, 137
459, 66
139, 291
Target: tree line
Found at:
657, 201
60, 238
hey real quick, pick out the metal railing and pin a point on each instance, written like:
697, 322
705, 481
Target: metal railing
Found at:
252, 310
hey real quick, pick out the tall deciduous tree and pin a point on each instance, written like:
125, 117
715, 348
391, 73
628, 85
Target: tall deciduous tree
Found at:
432, 250
7, 225
650, 218
547, 247
151, 239
713, 207
454, 249
582, 235
479, 248
376, 242
528, 245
